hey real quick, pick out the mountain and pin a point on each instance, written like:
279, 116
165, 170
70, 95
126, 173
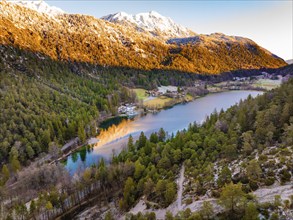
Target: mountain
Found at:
47, 30
151, 22
41, 7
289, 61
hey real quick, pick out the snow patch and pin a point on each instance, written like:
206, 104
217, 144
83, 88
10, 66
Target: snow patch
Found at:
150, 21
41, 7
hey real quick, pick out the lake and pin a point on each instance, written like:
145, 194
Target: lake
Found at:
115, 137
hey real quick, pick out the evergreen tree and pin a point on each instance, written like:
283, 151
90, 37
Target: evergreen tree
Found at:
138, 170
30, 152
161, 135
170, 193
81, 133
15, 164
232, 198
207, 210
130, 145
251, 212
224, 176
141, 140
33, 208
253, 170
128, 194
5, 173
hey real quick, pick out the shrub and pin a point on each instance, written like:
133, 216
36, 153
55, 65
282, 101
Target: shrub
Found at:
215, 193
253, 185
269, 181
285, 176
188, 201
262, 158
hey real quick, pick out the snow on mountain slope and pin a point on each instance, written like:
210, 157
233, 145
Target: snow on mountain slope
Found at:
41, 7
136, 41
152, 22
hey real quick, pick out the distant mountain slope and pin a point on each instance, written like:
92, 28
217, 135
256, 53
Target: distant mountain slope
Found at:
84, 38
289, 61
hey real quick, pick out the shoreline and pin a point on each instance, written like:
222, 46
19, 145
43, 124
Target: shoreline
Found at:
77, 148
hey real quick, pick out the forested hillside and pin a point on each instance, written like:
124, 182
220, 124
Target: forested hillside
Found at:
46, 103
231, 154
250, 144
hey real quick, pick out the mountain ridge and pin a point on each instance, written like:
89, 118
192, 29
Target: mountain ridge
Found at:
40, 6
152, 22
83, 38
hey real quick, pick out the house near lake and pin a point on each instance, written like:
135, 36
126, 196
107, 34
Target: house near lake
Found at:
128, 109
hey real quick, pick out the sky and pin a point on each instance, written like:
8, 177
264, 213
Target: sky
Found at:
269, 23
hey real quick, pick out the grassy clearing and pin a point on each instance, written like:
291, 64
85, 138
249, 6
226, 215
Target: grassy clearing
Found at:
214, 89
140, 93
267, 83
158, 102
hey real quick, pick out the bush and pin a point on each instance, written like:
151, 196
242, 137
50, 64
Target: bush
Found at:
285, 176
271, 173
188, 201
270, 164
262, 158
285, 152
274, 216
269, 181
244, 179
246, 188
215, 193
253, 185
273, 151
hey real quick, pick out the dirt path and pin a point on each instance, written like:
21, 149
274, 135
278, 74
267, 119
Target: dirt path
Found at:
180, 188
175, 207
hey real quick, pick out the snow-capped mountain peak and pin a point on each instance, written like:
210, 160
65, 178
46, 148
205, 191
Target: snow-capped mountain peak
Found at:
152, 22
41, 7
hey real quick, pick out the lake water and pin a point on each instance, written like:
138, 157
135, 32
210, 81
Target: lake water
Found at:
114, 138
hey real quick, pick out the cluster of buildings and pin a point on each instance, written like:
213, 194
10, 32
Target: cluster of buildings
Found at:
128, 109
264, 75
154, 93
169, 91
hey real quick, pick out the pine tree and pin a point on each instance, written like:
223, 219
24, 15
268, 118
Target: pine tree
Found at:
81, 133
207, 210
232, 198
161, 135
224, 176
128, 194
170, 193
251, 212
130, 145
30, 152
141, 140
15, 164
5, 173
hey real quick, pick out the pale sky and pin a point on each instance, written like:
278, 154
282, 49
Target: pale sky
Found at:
268, 23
